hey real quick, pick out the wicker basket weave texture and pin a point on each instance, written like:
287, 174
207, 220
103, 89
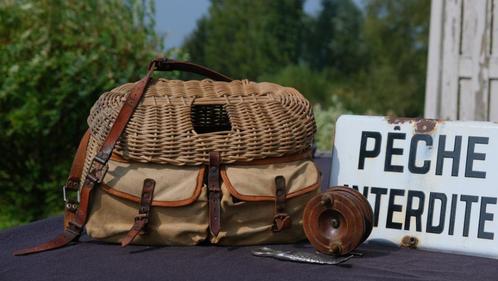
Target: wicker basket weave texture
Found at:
180, 122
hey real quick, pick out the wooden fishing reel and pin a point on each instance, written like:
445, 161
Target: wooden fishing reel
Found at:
337, 220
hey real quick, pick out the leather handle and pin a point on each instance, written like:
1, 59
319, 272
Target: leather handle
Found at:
165, 64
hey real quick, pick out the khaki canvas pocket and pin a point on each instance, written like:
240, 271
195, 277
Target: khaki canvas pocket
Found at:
248, 202
179, 213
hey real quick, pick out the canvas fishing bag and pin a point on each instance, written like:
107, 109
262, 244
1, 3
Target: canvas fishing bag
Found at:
170, 162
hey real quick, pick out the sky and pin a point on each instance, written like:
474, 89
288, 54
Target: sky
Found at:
177, 18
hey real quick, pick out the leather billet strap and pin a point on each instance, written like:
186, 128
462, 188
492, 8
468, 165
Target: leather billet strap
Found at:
281, 220
73, 181
214, 195
143, 217
98, 169
165, 64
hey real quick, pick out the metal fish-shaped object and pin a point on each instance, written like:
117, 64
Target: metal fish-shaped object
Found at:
299, 256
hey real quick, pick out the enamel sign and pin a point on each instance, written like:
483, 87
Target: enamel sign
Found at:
431, 184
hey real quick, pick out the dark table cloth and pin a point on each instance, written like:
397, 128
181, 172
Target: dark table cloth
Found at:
91, 260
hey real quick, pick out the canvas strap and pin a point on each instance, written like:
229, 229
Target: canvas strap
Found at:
143, 217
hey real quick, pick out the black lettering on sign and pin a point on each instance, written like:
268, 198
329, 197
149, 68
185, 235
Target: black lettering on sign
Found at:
355, 187
378, 192
412, 212
468, 199
364, 153
483, 217
472, 155
394, 208
451, 227
365, 189
431, 228
391, 150
452, 154
412, 166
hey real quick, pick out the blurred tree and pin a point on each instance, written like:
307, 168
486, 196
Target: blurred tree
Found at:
396, 33
315, 86
244, 38
334, 39
56, 58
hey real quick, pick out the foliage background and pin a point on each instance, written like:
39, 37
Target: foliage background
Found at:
57, 57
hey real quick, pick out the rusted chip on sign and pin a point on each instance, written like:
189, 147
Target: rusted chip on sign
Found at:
409, 242
421, 125
337, 221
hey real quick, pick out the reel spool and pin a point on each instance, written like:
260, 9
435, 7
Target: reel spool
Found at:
337, 220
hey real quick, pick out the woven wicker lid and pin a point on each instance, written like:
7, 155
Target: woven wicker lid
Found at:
180, 122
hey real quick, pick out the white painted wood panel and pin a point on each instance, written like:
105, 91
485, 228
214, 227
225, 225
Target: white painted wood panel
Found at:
451, 53
494, 28
493, 99
466, 103
462, 60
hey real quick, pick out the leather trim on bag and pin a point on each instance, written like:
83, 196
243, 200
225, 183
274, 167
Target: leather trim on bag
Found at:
155, 203
233, 191
274, 160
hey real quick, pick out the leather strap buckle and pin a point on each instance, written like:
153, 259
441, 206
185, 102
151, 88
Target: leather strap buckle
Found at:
98, 170
72, 185
101, 158
65, 190
281, 221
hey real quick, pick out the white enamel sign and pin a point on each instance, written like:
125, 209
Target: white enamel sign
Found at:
433, 181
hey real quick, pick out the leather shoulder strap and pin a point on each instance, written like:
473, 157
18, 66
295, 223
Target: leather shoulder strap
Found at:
79, 158
98, 167
97, 171
165, 64
73, 181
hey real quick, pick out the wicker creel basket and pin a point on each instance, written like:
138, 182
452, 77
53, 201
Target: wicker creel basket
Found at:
180, 122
